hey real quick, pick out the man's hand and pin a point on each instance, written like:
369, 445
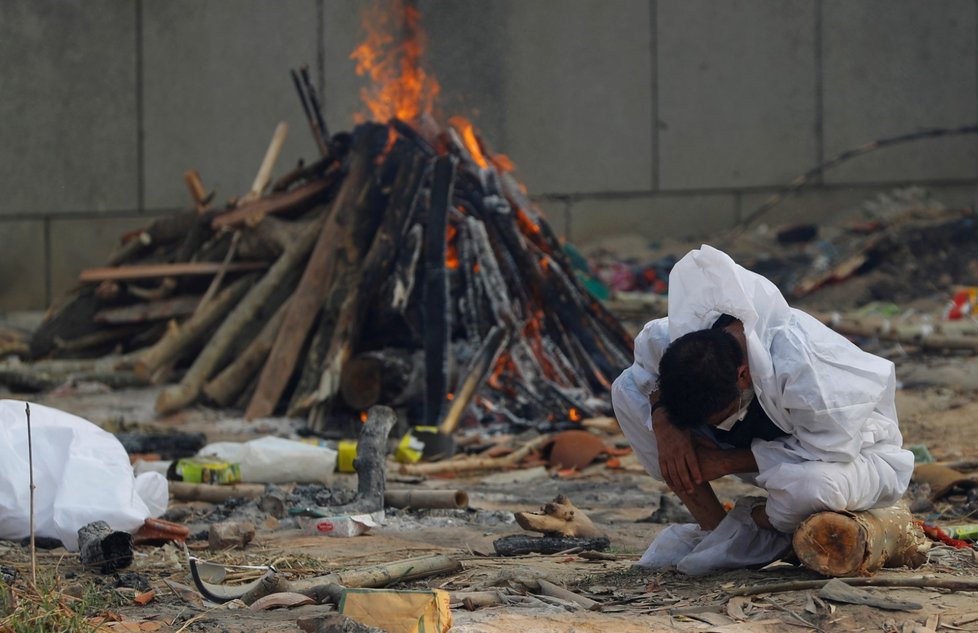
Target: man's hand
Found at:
677, 454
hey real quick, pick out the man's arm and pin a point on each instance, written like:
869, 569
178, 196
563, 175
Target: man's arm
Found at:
717, 462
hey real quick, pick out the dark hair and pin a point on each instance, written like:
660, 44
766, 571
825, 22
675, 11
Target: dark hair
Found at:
698, 375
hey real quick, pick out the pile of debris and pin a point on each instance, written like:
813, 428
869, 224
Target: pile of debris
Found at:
405, 267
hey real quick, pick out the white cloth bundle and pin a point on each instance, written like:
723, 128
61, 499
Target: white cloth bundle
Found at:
81, 474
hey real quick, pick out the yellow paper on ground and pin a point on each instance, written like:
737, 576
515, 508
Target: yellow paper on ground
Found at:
399, 611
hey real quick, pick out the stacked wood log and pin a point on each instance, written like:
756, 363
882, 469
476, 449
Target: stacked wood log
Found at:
401, 268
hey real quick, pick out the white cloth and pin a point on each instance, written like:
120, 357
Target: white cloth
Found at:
835, 401
81, 474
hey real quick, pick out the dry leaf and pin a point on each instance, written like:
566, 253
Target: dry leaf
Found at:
735, 607
145, 597
282, 599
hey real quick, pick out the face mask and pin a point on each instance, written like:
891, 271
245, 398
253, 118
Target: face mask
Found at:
746, 396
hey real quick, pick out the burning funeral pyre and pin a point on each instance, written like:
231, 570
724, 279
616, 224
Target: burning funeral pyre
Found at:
405, 267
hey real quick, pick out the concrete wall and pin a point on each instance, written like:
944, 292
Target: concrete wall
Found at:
651, 117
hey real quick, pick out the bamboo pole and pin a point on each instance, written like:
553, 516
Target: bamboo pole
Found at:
470, 464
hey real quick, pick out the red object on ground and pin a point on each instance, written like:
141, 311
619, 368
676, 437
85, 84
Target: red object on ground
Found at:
937, 534
155, 530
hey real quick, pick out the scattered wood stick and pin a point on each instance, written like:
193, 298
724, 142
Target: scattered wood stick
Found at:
219, 277
227, 385
253, 212
953, 583
30, 466
473, 600
188, 390
264, 174
151, 311
196, 188
178, 338
375, 576
185, 491
471, 464
548, 588
150, 271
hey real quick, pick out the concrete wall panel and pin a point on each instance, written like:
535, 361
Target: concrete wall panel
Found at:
577, 95
893, 67
68, 106
342, 31
467, 46
736, 85
217, 82
23, 265
829, 206
654, 217
79, 244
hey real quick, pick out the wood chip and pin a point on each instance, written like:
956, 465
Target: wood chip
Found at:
283, 599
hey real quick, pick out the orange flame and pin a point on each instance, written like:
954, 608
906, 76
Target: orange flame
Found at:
574, 415
363, 416
532, 331
400, 86
528, 226
471, 141
503, 364
451, 254
503, 163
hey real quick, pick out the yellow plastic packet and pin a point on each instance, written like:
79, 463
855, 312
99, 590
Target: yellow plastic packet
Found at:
410, 447
399, 611
201, 470
346, 453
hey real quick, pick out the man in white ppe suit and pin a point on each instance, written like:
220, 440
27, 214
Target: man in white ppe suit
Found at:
734, 381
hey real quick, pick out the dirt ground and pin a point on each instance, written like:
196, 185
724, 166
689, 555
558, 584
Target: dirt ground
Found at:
937, 407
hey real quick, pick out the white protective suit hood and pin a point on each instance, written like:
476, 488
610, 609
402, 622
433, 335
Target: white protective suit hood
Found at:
832, 397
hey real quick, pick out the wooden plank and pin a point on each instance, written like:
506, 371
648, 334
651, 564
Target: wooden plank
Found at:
152, 311
150, 271
253, 212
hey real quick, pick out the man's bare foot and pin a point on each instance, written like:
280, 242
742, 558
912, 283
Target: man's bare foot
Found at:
759, 514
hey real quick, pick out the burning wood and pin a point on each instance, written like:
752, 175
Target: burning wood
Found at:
406, 243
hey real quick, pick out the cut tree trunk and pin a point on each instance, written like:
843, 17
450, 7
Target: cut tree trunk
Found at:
860, 543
